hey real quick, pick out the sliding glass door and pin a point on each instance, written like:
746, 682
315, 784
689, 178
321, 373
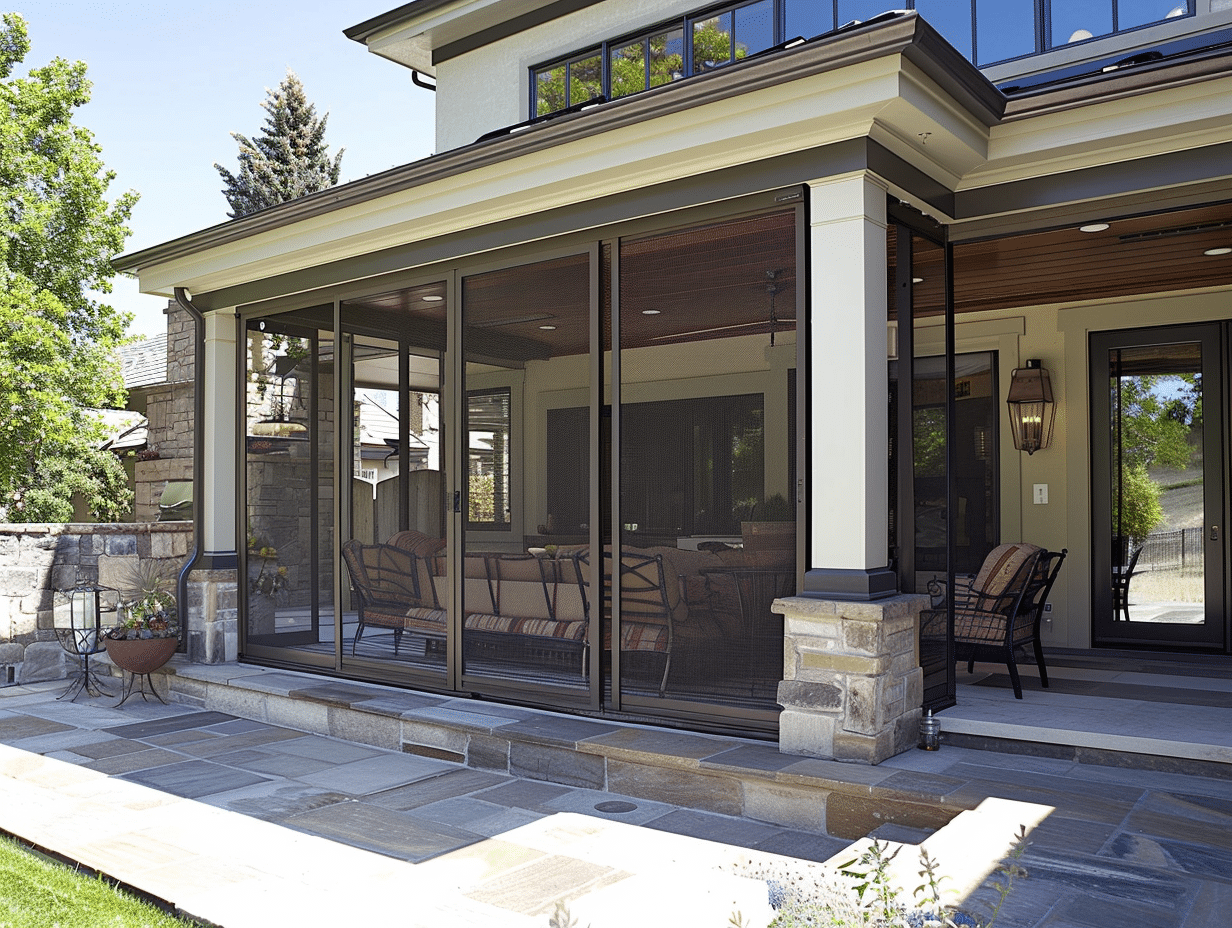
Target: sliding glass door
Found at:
566, 478
396, 583
289, 556
703, 439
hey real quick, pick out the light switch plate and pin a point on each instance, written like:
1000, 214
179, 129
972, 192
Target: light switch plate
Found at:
1041, 494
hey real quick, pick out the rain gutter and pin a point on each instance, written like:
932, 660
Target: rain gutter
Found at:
198, 458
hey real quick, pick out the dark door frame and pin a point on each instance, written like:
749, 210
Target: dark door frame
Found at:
1213, 634
941, 692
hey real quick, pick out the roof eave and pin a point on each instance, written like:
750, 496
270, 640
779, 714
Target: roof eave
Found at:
908, 35
1096, 88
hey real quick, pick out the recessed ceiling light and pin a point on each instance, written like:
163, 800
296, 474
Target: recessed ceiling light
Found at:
432, 299
1093, 227
651, 312
917, 280
1212, 252
548, 328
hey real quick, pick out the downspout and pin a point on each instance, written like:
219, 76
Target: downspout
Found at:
183, 300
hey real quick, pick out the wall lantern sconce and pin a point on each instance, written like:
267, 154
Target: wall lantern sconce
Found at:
78, 618
1032, 408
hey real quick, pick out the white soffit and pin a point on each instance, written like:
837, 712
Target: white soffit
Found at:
1174, 119
411, 43
885, 98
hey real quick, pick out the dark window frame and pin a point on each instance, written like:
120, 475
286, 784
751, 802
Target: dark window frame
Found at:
1041, 42
497, 524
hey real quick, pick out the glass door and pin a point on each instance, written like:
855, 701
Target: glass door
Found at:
288, 558
394, 587
703, 448
1157, 483
525, 620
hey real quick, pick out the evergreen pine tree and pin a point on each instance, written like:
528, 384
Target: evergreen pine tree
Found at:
288, 160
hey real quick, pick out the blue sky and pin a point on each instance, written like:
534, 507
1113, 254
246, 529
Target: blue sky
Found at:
173, 80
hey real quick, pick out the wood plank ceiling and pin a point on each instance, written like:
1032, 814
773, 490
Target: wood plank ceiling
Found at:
721, 280
1140, 255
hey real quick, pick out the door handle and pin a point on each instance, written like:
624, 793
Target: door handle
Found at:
1214, 533
457, 500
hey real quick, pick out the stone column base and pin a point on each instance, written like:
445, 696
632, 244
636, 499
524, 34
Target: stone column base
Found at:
852, 683
213, 617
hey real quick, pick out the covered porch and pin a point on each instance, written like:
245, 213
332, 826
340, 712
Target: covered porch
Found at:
624, 350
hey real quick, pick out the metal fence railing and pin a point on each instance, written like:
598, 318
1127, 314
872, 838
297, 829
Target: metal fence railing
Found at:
1176, 550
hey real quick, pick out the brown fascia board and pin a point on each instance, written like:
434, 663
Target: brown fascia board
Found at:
508, 23
1129, 82
908, 35
361, 32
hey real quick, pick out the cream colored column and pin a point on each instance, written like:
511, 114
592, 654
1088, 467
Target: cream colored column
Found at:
848, 387
218, 490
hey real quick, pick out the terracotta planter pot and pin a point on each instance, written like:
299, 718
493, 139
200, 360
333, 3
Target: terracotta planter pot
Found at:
140, 655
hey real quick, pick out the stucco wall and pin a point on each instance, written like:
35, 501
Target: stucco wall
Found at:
490, 87
1058, 336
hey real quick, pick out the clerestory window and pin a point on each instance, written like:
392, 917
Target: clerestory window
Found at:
986, 32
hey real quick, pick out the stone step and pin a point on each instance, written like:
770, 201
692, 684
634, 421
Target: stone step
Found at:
726, 775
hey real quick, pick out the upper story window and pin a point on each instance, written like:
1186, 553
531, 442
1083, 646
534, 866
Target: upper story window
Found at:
984, 31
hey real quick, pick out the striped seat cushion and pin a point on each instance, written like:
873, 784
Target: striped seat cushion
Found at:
424, 619
638, 637
520, 625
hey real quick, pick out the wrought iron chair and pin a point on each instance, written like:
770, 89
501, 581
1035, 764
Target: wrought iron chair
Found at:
389, 584
1120, 586
650, 607
1026, 625
998, 610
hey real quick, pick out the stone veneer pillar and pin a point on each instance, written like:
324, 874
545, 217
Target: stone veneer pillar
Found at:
852, 683
213, 608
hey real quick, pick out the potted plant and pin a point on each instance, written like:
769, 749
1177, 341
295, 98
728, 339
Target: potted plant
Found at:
146, 635
771, 529
268, 583
148, 630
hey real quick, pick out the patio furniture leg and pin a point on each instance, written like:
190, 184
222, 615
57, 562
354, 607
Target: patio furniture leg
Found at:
359, 630
1014, 677
667, 665
1039, 661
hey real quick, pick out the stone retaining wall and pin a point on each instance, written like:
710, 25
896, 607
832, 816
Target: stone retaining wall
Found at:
38, 559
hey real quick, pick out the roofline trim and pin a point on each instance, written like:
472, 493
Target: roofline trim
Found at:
908, 35
361, 32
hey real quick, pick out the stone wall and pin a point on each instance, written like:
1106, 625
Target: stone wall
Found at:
36, 560
150, 478
852, 684
169, 413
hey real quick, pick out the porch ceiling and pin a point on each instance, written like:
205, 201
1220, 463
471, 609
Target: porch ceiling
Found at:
709, 282
1144, 254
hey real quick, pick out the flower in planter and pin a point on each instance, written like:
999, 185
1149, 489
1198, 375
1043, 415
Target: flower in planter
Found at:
152, 616
271, 578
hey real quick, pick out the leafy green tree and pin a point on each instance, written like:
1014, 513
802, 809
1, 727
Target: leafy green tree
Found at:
1154, 428
57, 234
1140, 496
1155, 424
288, 160
584, 76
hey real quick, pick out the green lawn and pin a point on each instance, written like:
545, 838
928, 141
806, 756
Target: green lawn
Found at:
36, 892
